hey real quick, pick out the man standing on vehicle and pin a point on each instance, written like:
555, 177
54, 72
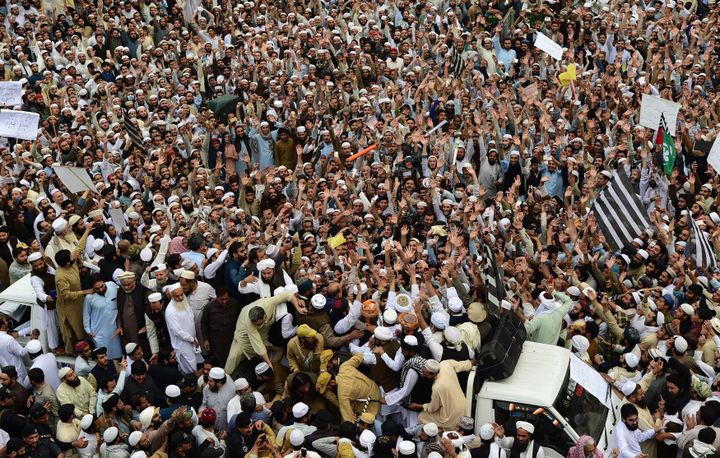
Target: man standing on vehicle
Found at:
523, 444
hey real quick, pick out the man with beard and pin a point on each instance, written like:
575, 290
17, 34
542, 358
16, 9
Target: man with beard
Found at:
217, 393
234, 271
159, 272
635, 394
132, 323
76, 391
514, 171
303, 350
155, 311
64, 238
181, 328
242, 439
523, 444
270, 279
97, 219
628, 436
188, 209
218, 324
198, 294
43, 283
100, 316
490, 174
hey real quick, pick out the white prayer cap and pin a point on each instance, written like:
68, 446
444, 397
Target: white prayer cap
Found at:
681, 344
110, 434
318, 301
154, 297
172, 391
432, 366
98, 245
86, 421
451, 335
139, 453
431, 429
455, 304
390, 316
487, 432
241, 384
628, 387
382, 333
174, 287
631, 360
129, 348
440, 320
146, 254
34, 257
297, 438
147, 415
573, 291
217, 373
580, 343
134, 438
687, 309
300, 409
367, 438
34, 346
406, 448
59, 224
63, 372
188, 275
526, 426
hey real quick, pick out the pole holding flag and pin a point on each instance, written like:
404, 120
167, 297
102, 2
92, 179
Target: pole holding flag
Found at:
665, 140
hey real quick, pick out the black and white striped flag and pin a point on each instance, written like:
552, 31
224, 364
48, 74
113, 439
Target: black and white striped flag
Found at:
134, 132
620, 213
457, 65
704, 253
493, 281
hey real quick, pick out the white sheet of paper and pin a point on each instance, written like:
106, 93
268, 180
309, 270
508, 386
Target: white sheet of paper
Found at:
76, 179
545, 43
653, 107
11, 93
118, 219
19, 124
590, 379
714, 155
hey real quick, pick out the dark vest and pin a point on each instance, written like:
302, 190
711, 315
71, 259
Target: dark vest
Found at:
48, 285
458, 355
515, 450
387, 378
422, 391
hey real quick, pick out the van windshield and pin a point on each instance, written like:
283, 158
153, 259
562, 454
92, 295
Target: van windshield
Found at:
583, 411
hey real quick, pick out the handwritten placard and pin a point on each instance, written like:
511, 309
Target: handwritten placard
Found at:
19, 124
11, 93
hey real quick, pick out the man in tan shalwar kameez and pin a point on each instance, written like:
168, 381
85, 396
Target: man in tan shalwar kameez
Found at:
447, 403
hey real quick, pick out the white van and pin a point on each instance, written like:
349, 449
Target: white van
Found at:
561, 395
18, 301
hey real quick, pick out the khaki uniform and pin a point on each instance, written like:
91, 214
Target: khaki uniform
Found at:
70, 300
250, 341
353, 385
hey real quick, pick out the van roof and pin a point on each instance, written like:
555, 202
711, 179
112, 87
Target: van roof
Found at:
539, 375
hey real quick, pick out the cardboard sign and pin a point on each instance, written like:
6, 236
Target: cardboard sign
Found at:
652, 108
546, 44
76, 179
19, 124
11, 93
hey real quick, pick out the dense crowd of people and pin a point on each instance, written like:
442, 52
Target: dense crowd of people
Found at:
237, 284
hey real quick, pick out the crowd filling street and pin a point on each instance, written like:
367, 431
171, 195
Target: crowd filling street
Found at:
307, 220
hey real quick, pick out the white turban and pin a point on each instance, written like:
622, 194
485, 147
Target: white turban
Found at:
529, 427
265, 264
580, 343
